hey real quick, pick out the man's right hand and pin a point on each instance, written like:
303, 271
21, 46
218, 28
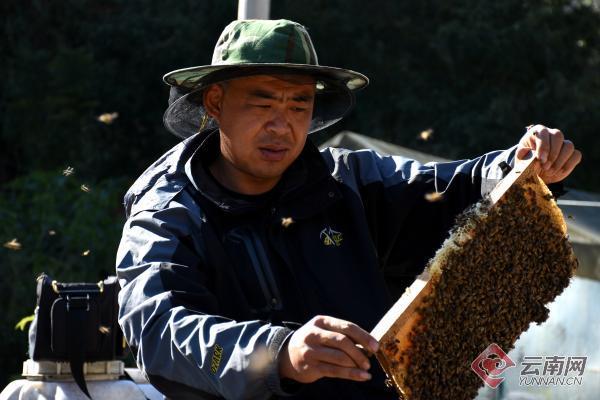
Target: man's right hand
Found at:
326, 347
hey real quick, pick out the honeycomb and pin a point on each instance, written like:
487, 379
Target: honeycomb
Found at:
506, 258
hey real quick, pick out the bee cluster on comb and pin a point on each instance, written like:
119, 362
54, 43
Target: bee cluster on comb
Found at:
507, 257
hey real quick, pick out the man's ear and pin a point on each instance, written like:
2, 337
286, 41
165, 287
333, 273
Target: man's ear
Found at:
212, 100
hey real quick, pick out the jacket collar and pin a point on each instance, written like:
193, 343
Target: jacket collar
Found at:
306, 186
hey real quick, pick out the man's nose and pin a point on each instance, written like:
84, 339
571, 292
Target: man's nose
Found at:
278, 123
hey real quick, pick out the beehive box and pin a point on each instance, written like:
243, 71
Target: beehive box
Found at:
506, 258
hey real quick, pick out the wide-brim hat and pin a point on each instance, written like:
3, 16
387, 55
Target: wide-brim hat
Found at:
260, 47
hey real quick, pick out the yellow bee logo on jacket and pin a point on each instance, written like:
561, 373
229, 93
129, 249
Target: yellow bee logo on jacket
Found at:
331, 237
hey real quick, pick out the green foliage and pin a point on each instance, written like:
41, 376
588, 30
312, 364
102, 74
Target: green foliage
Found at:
24, 322
66, 62
56, 223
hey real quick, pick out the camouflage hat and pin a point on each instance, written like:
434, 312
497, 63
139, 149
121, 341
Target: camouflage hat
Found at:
252, 47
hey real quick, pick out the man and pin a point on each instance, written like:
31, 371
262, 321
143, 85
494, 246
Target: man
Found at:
252, 264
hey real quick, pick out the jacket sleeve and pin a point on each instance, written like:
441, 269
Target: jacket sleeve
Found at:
169, 316
407, 223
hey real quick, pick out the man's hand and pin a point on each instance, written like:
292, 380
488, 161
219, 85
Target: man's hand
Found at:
326, 347
558, 156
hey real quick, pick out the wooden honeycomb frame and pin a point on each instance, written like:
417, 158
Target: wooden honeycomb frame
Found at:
394, 330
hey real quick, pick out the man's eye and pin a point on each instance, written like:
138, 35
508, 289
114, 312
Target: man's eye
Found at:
261, 105
298, 109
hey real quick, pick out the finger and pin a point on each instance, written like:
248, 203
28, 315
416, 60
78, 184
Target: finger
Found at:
342, 342
571, 162
556, 141
353, 331
522, 153
333, 356
568, 167
542, 144
565, 153
334, 371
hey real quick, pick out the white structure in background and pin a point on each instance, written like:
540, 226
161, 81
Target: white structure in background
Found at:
572, 330
104, 379
254, 9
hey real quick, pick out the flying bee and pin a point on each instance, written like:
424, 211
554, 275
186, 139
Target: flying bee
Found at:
426, 135
287, 222
13, 245
107, 118
68, 171
434, 196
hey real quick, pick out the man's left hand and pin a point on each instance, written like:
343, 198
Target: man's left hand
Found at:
558, 157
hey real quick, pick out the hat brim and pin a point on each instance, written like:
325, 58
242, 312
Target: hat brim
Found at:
196, 77
185, 115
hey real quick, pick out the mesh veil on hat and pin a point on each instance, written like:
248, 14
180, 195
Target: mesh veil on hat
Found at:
265, 47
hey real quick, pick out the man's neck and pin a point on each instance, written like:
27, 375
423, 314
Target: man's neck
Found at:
238, 181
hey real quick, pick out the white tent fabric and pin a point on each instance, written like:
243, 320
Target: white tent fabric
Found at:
355, 141
581, 209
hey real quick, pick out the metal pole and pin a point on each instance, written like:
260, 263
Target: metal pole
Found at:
254, 9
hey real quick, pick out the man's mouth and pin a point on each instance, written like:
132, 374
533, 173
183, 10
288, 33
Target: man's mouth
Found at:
273, 153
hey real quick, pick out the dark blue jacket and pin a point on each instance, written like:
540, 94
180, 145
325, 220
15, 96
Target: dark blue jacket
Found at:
213, 282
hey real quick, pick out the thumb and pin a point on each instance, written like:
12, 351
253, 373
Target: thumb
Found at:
522, 152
